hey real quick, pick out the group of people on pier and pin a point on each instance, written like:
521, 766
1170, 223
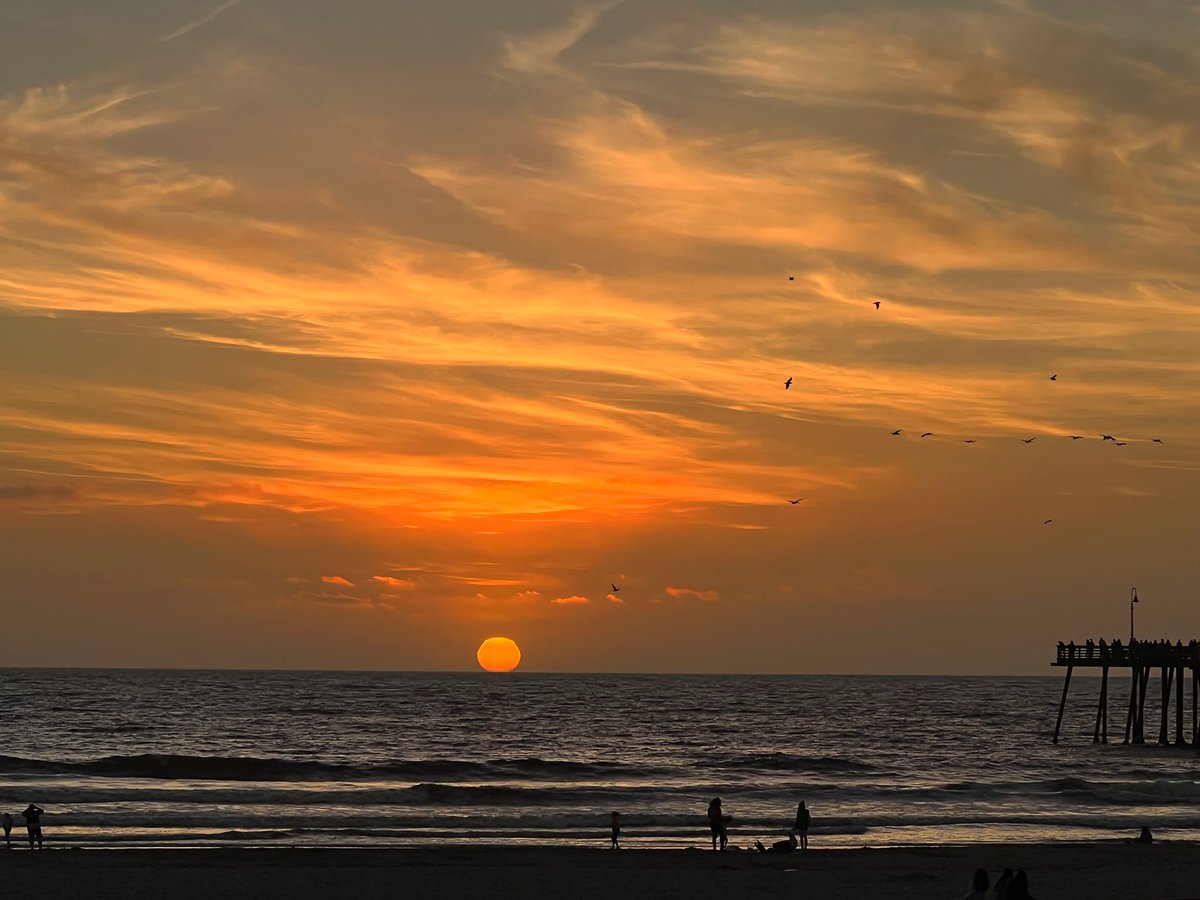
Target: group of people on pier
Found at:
1115, 650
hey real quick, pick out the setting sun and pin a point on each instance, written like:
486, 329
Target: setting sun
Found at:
499, 654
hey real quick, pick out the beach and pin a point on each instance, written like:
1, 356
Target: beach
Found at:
1099, 871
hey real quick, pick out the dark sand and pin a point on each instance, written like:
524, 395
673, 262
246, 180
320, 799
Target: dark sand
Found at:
1057, 872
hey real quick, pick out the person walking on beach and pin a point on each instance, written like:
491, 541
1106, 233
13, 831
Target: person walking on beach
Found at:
7, 819
616, 830
33, 824
717, 820
802, 819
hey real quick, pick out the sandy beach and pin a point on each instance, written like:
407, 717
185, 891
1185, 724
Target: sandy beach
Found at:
1114, 871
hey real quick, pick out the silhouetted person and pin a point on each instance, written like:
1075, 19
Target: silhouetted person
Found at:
7, 821
33, 824
1018, 888
787, 845
803, 817
1145, 837
1000, 890
616, 830
979, 886
716, 823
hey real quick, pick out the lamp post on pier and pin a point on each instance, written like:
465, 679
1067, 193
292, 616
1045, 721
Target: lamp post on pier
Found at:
1133, 598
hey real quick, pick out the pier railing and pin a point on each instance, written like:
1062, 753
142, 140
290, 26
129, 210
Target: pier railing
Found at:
1136, 653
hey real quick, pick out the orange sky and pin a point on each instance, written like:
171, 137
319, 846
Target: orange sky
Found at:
348, 338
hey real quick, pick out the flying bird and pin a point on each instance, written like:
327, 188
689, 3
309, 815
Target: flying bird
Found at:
1120, 443
1156, 440
1028, 440
1048, 521
791, 278
1054, 378
787, 384
794, 502
1107, 437
1077, 437
877, 304
969, 441
897, 431
615, 589
927, 434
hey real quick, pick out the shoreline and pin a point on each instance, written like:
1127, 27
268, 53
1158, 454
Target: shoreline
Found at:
1111, 870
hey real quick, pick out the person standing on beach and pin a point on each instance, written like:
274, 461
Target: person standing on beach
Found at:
616, 830
802, 819
33, 824
716, 823
7, 819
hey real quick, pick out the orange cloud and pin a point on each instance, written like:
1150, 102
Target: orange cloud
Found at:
688, 593
402, 583
337, 579
573, 600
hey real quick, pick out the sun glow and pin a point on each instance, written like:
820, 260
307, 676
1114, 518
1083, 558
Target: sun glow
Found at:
499, 654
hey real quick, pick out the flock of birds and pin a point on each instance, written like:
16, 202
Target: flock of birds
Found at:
899, 431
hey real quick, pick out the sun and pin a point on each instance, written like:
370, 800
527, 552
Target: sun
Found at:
499, 654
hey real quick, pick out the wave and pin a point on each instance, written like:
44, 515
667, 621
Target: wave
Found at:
783, 762
172, 766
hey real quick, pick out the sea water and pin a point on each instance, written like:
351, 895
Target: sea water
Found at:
196, 758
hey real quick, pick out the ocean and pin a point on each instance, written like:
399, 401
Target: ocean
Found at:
203, 758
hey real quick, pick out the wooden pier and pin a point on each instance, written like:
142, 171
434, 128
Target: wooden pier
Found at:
1140, 657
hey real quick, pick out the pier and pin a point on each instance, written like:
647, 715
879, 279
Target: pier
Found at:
1139, 657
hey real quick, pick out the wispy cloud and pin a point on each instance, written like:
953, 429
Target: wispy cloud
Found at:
199, 22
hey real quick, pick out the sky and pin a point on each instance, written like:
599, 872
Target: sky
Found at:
348, 335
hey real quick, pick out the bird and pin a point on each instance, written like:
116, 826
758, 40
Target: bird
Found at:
1156, 440
1120, 443
787, 384
1054, 378
1107, 437
897, 431
1048, 521
877, 304
791, 278
1077, 437
794, 502
1028, 440
615, 589
927, 434
969, 441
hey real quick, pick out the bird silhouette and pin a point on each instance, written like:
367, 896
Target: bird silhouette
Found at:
969, 441
1156, 440
1077, 437
615, 589
1120, 443
1028, 440
897, 431
794, 502
1048, 521
927, 434
877, 304
787, 384
791, 278
1054, 378
1107, 437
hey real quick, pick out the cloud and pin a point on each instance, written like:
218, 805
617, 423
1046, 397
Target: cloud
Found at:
337, 579
689, 594
197, 23
573, 600
613, 598
39, 492
402, 583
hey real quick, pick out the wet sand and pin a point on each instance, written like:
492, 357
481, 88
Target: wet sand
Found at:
1106, 871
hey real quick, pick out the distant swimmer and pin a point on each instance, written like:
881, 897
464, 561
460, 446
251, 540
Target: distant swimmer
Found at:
877, 304
33, 824
794, 502
788, 384
616, 830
